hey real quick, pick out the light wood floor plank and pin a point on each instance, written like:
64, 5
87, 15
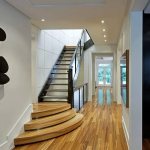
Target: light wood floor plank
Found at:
101, 130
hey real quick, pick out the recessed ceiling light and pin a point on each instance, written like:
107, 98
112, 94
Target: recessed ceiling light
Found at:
105, 40
104, 30
102, 21
42, 20
104, 36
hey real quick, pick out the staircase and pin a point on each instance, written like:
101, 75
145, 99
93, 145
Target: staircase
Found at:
56, 88
54, 115
49, 120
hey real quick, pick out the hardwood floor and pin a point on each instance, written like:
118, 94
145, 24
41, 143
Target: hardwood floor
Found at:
101, 130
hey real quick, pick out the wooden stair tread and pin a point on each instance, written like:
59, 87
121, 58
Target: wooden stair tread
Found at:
64, 60
39, 107
67, 53
50, 120
50, 132
60, 78
58, 73
66, 56
63, 64
57, 90
55, 96
44, 109
69, 50
61, 69
55, 100
58, 84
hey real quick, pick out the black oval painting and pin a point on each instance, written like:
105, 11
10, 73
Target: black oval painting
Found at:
3, 65
2, 35
4, 78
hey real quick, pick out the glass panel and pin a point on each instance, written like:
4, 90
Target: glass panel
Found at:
85, 94
77, 57
76, 99
108, 75
123, 75
73, 68
108, 95
81, 97
123, 93
100, 96
101, 75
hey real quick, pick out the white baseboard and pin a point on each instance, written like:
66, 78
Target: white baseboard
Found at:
18, 127
125, 131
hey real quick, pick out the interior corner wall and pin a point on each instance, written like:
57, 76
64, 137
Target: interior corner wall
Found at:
46, 48
131, 38
15, 96
135, 104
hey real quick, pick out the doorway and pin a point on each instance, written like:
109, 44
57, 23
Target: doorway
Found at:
104, 76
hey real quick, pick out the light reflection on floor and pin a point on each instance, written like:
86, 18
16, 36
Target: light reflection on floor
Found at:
104, 95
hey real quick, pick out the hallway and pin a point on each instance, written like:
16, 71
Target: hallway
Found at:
101, 130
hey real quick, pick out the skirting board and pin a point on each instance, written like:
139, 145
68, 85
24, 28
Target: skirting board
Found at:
8, 144
125, 131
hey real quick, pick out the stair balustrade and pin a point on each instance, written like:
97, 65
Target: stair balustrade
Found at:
73, 73
53, 89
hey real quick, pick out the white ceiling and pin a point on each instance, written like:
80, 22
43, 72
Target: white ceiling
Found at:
77, 14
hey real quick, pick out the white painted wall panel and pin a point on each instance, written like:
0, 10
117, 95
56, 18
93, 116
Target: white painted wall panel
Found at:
16, 95
49, 44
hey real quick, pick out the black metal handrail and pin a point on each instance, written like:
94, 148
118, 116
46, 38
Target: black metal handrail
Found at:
74, 68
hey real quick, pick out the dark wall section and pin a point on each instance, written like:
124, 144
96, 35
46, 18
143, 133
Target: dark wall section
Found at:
146, 75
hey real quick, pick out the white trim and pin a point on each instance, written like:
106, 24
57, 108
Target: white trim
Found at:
8, 144
125, 131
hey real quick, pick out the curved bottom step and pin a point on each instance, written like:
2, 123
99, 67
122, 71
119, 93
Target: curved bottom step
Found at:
49, 121
48, 133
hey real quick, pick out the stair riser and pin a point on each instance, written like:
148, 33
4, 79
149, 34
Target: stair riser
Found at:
66, 57
50, 122
70, 55
57, 93
63, 64
47, 136
57, 90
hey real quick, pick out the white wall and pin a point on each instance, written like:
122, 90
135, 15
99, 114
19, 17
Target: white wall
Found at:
131, 38
123, 45
15, 96
89, 68
135, 108
46, 47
